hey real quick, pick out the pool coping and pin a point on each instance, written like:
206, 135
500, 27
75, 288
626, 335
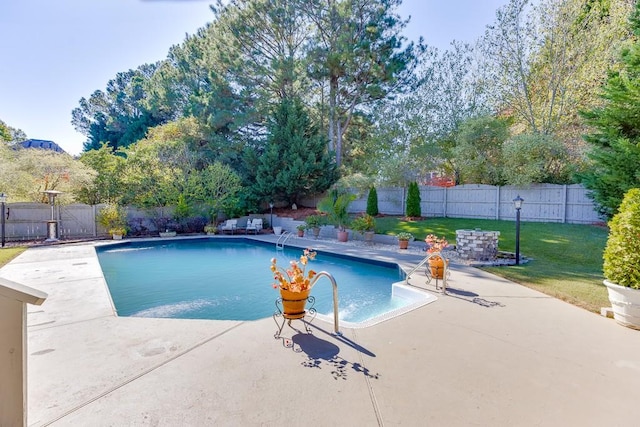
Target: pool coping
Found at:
419, 297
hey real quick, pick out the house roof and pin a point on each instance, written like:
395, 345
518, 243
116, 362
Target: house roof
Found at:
43, 144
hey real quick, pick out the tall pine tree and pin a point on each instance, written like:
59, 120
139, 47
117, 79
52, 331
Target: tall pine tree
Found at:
295, 163
615, 140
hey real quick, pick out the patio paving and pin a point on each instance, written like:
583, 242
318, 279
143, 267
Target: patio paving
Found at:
491, 352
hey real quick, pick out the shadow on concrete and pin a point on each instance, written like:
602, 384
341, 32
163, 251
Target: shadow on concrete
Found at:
472, 297
325, 354
321, 353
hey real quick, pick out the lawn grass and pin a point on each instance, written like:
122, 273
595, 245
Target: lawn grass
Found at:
566, 259
7, 254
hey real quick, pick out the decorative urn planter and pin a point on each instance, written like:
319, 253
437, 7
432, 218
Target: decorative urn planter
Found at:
622, 261
625, 303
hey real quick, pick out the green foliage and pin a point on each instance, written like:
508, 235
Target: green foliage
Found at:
372, 202
478, 150
615, 149
216, 188
413, 201
113, 218
118, 116
622, 253
363, 223
26, 173
107, 185
295, 163
360, 64
336, 206
182, 210
315, 221
535, 158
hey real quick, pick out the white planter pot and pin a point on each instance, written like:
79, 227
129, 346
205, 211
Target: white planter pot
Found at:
277, 230
625, 303
167, 234
117, 236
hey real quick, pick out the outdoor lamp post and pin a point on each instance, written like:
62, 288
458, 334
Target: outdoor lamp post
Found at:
3, 200
271, 218
517, 202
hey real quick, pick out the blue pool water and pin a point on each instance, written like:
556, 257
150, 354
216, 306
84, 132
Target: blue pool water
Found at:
231, 280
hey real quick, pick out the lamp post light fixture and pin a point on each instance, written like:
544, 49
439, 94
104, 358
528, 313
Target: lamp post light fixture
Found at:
517, 203
3, 200
271, 218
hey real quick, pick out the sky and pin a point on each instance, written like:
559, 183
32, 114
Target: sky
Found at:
52, 53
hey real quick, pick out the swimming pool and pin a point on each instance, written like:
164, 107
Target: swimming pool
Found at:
229, 279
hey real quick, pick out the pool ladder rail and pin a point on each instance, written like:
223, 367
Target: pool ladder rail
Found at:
286, 235
445, 272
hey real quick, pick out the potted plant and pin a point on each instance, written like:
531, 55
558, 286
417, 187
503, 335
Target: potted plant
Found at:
301, 229
365, 225
403, 239
294, 283
114, 219
336, 206
621, 257
437, 262
117, 233
210, 229
314, 222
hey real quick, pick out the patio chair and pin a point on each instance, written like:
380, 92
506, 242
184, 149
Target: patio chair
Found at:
229, 225
254, 225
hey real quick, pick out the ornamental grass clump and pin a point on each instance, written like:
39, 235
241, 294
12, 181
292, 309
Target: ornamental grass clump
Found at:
622, 252
295, 278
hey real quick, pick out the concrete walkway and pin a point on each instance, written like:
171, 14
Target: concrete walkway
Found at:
490, 353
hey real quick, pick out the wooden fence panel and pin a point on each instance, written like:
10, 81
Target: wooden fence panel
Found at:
542, 202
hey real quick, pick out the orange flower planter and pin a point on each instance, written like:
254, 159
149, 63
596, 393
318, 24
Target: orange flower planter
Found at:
436, 265
293, 303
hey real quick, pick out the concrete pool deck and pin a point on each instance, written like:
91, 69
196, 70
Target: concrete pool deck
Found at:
491, 352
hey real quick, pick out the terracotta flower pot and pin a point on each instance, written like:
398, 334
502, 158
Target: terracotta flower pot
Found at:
403, 244
436, 266
293, 303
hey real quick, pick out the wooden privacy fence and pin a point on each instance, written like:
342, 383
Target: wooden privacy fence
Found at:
542, 202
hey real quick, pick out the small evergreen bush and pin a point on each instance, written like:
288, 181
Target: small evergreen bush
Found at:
413, 201
622, 253
372, 202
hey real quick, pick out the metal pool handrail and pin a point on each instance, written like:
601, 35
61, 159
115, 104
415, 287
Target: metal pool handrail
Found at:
424, 261
336, 326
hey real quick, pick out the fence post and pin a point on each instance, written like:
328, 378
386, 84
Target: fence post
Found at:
564, 203
497, 202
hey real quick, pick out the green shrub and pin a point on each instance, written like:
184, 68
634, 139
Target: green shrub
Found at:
622, 253
413, 201
372, 202
113, 218
363, 223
